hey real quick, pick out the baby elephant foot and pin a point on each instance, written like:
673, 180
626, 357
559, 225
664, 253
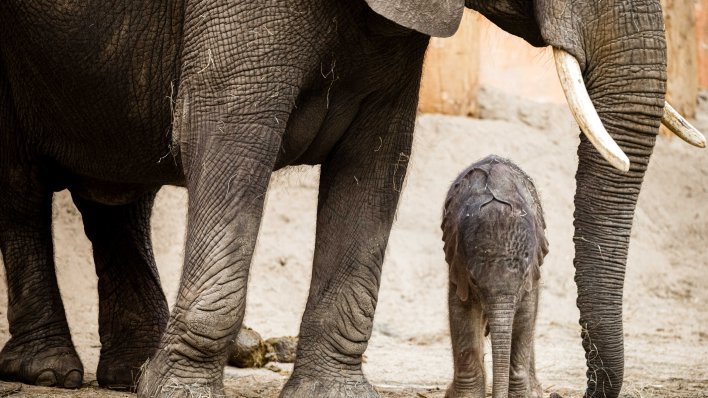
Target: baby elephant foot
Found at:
323, 387
458, 389
455, 393
527, 394
531, 389
535, 389
42, 365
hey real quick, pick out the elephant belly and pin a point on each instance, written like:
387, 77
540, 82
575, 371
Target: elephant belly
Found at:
316, 125
107, 193
345, 83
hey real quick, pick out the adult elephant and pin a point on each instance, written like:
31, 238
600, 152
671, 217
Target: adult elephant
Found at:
112, 99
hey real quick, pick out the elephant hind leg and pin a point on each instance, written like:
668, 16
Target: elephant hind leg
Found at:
360, 185
132, 307
40, 350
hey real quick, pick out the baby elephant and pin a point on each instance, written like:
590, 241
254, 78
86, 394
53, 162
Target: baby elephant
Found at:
495, 242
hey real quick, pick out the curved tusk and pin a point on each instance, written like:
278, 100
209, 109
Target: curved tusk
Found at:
581, 105
681, 127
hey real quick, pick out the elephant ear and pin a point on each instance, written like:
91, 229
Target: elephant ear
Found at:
458, 274
439, 18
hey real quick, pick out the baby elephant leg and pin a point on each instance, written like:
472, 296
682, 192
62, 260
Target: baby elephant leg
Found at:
522, 375
467, 333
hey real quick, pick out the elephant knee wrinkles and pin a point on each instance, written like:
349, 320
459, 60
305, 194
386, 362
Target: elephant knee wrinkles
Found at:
518, 378
202, 345
344, 351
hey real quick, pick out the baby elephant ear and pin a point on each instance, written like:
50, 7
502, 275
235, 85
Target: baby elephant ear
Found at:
458, 270
459, 278
439, 18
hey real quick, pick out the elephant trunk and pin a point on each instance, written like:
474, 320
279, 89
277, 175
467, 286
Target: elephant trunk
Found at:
500, 314
626, 80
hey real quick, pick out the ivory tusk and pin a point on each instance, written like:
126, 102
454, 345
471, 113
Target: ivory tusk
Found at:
681, 127
583, 110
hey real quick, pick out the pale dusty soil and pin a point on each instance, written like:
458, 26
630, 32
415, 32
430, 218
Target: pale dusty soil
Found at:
665, 311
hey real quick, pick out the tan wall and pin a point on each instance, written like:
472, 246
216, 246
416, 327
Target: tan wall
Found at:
507, 63
702, 38
510, 64
682, 84
452, 71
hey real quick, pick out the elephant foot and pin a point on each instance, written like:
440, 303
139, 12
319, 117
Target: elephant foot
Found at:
528, 394
174, 389
124, 353
49, 363
322, 387
163, 378
121, 371
534, 390
458, 389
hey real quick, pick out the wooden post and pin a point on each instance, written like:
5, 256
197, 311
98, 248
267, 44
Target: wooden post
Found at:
451, 72
682, 85
702, 42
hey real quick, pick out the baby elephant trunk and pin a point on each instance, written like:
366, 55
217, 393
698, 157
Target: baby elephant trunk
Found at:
500, 315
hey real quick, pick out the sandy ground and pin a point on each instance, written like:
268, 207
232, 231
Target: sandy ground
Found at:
665, 311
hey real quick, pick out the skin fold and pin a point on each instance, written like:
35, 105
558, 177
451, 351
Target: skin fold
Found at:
113, 99
495, 242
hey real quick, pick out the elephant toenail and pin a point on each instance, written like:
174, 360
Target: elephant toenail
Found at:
46, 379
73, 379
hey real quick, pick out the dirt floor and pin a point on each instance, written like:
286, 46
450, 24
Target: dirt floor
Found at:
665, 311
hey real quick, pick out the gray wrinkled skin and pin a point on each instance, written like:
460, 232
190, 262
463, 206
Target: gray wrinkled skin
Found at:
495, 242
113, 99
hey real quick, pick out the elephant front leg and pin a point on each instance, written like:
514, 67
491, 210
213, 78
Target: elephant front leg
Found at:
227, 182
359, 188
40, 350
132, 307
467, 325
522, 376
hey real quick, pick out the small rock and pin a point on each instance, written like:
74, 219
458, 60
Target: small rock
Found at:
282, 349
275, 369
249, 351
